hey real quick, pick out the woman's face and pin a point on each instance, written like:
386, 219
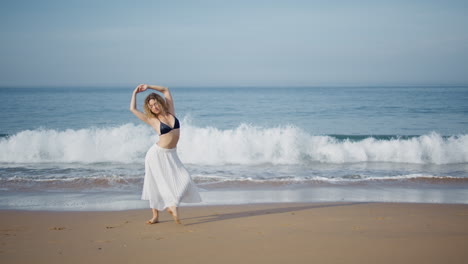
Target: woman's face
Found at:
154, 106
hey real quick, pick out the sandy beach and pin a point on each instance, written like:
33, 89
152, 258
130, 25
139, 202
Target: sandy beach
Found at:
261, 233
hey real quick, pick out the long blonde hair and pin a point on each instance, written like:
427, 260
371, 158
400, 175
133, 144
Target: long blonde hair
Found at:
159, 99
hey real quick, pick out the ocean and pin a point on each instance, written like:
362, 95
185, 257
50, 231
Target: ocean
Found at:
80, 148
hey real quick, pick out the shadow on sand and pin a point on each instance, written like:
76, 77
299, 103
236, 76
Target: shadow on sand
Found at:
227, 216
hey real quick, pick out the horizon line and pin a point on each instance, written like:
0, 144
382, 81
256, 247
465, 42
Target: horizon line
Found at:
121, 86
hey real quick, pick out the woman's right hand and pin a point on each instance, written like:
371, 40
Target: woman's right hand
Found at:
141, 88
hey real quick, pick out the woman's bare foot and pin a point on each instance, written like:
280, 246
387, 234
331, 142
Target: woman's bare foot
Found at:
153, 220
173, 211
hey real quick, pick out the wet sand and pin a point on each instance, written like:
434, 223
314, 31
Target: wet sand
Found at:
262, 233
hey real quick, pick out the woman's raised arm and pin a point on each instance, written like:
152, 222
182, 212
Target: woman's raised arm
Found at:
133, 109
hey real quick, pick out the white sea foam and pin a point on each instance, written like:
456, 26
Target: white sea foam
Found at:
123, 144
106, 182
291, 145
210, 180
245, 144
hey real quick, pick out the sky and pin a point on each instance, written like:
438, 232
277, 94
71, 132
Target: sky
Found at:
233, 43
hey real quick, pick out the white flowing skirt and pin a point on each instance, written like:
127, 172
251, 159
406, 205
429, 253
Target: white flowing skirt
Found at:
167, 182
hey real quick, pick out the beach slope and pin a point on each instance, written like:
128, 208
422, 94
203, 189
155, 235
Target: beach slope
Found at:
262, 233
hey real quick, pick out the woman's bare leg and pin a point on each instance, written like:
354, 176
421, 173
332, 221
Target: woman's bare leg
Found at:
153, 220
175, 214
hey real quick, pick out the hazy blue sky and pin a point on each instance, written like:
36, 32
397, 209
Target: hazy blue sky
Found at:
229, 43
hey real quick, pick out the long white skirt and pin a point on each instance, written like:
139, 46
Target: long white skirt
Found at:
167, 182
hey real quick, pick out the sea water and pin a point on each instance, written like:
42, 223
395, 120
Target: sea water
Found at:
80, 148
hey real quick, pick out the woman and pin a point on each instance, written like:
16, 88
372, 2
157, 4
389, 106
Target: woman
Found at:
167, 182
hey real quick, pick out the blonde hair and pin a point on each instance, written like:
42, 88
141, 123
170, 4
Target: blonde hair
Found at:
159, 99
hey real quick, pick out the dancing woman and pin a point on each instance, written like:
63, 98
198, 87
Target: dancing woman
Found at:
167, 182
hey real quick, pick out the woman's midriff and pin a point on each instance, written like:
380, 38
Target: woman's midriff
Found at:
169, 140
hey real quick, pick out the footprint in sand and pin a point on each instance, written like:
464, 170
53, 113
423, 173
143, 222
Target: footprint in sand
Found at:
11, 231
358, 228
152, 237
58, 228
110, 227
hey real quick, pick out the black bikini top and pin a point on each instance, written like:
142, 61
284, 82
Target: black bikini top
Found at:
164, 129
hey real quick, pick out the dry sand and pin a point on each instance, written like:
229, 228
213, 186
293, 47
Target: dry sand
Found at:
266, 233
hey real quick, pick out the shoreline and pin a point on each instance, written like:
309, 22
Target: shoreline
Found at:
208, 206
94, 201
323, 232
